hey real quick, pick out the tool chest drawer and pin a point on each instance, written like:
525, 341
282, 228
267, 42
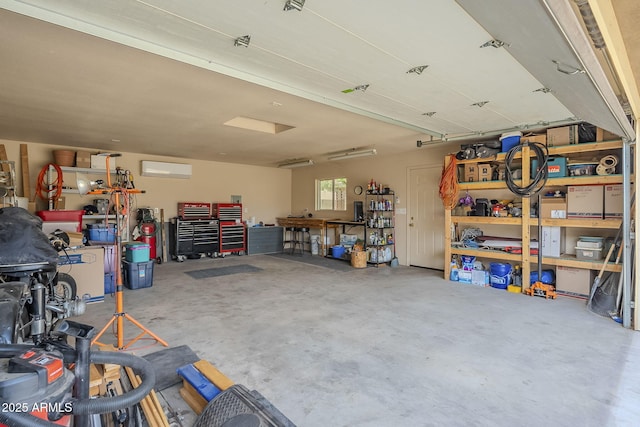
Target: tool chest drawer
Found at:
232, 237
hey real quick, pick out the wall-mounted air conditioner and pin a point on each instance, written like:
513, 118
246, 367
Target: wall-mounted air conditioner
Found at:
165, 170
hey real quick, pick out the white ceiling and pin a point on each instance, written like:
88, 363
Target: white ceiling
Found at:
162, 76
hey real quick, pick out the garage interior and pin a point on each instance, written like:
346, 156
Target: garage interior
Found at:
234, 95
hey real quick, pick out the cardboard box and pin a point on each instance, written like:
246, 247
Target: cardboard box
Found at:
574, 280
553, 241
605, 135
613, 201
86, 266
553, 207
83, 159
585, 201
465, 276
484, 172
100, 162
478, 277
542, 139
471, 172
562, 136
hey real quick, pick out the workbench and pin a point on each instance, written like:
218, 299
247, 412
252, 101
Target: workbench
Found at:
310, 223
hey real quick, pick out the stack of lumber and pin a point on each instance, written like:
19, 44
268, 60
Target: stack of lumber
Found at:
105, 380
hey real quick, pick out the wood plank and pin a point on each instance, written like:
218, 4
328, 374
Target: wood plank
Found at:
213, 374
148, 411
3, 156
194, 393
158, 413
193, 404
24, 164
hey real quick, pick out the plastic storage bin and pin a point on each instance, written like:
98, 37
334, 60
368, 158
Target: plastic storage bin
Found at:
65, 220
102, 232
138, 275
137, 252
109, 283
588, 254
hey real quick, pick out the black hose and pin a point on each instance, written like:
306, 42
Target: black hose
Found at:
540, 178
103, 404
110, 404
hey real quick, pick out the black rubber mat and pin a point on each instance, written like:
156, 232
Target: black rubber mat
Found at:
165, 363
319, 261
222, 271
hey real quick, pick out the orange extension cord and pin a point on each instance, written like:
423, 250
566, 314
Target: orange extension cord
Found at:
51, 190
449, 184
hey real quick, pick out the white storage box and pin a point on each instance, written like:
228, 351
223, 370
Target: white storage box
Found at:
100, 162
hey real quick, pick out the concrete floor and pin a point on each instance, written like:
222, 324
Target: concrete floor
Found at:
391, 346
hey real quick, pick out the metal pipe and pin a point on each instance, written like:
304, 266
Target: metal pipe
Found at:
83, 345
626, 234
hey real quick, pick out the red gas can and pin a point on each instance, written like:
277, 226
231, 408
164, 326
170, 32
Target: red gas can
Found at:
148, 236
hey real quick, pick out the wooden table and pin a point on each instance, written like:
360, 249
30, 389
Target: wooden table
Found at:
315, 223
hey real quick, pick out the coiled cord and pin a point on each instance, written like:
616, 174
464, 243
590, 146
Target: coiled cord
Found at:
49, 190
540, 178
449, 184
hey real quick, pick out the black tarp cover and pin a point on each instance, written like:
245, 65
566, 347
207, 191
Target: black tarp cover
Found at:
22, 240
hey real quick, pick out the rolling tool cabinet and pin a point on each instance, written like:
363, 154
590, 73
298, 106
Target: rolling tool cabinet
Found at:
192, 238
232, 230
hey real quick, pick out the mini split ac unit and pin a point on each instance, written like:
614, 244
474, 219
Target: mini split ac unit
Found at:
166, 170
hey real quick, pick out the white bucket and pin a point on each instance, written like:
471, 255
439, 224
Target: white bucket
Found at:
22, 202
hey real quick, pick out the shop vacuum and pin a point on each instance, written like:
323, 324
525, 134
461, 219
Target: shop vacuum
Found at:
38, 387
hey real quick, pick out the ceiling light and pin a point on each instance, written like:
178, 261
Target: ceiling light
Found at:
296, 164
294, 5
354, 153
361, 88
242, 41
417, 70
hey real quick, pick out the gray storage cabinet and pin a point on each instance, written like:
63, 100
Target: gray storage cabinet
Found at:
264, 240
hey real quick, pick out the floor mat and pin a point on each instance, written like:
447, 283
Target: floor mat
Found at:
222, 271
165, 363
320, 261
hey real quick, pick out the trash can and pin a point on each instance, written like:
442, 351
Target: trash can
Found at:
315, 244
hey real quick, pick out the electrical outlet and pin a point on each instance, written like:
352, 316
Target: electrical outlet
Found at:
156, 211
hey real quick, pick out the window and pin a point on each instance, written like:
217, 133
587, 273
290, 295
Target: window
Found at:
331, 194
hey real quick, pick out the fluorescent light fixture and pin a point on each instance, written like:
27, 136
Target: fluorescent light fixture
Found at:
354, 153
296, 164
166, 170
294, 5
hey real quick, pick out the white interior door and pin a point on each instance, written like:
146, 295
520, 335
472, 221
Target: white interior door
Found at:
425, 219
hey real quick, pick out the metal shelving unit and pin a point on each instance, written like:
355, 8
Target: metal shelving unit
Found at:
379, 227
